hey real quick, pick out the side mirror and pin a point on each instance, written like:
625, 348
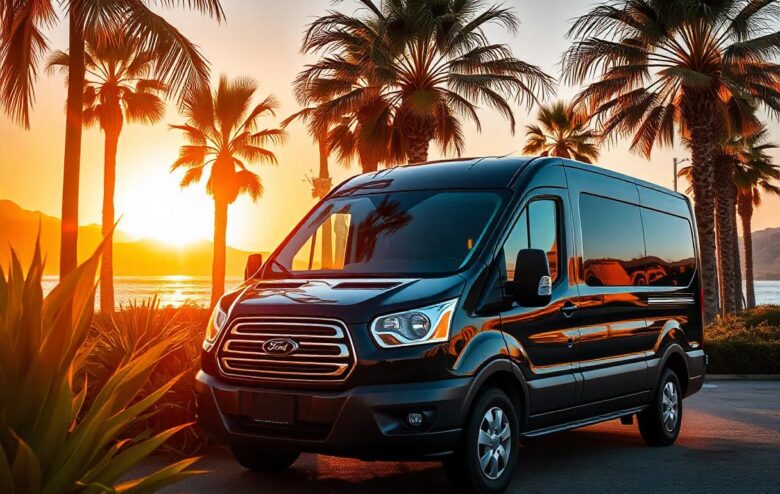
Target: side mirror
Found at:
533, 283
253, 264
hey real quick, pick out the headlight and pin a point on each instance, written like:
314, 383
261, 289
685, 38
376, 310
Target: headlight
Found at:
414, 327
216, 323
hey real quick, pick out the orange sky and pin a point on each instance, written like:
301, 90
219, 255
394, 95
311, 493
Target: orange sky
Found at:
261, 40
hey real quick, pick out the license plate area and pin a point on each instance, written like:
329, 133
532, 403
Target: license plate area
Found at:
269, 408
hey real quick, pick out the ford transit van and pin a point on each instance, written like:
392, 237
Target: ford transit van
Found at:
449, 310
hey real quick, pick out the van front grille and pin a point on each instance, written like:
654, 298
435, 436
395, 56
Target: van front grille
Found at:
323, 350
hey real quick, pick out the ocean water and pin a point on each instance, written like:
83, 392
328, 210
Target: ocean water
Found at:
178, 290
173, 291
767, 292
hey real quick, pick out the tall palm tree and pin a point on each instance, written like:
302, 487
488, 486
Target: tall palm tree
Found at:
563, 131
726, 193
726, 229
117, 87
22, 43
221, 131
322, 183
365, 133
418, 67
687, 65
753, 177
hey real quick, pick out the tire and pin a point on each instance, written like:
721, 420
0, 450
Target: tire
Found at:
660, 423
464, 470
262, 460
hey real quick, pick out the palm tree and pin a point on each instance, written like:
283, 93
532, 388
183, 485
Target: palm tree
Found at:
684, 65
753, 176
729, 270
365, 133
726, 229
417, 68
22, 43
221, 131
321, 184
563, 132
116, 88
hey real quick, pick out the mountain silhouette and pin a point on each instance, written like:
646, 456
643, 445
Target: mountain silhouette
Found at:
19, 228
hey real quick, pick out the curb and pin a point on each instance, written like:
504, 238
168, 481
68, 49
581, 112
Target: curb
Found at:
742, 377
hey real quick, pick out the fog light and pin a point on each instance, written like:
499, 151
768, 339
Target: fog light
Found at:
415, 419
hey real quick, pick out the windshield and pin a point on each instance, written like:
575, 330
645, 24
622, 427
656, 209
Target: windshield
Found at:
390, 234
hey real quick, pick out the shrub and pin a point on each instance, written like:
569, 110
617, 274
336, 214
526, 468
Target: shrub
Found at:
746, 343
137, 327
769, 314
51, 440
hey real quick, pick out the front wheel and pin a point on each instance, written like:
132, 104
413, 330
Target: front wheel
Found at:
660, 423
261, 460
487, 455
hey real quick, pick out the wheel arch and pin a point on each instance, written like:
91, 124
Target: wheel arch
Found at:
505, 375
674, 358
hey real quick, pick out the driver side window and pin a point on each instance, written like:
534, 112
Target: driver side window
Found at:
536, 228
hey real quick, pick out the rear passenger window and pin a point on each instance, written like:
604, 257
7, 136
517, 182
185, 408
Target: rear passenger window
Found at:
537, 228
670, 256
612, 242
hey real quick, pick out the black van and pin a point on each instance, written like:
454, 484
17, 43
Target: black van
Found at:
451, 309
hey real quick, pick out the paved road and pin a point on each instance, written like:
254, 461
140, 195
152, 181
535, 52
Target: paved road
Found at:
730, 443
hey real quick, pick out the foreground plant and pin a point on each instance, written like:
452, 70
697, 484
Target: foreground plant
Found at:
133, 329
50, 441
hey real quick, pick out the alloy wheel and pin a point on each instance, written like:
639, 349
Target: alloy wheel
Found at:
495, 443
670, 407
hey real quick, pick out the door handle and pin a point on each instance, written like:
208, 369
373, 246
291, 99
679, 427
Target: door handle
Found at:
568, 309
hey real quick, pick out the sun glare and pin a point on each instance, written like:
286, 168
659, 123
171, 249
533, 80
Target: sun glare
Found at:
165, 213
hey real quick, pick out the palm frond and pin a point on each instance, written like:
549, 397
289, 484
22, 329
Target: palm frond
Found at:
179, 63
22, 45
191, 156
192, 176
249, 183
143, 107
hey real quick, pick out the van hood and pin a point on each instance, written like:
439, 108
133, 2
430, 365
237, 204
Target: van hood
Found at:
352, 300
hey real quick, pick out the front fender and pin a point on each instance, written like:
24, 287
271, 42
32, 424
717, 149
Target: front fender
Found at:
477, 350
485, 356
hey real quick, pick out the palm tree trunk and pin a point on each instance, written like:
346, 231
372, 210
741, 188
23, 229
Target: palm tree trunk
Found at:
72, 160
220, 246
702, 124
324, 187
723, 213
109, 183
418, 149
746, 214
418, 134
738, 296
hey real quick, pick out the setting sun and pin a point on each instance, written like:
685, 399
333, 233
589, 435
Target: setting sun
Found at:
164, 212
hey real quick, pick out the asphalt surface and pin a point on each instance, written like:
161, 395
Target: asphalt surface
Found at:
730, 443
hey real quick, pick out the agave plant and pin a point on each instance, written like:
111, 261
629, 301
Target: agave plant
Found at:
50, 441
116, 337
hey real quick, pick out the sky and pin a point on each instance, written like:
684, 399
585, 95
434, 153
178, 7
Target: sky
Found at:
261, 39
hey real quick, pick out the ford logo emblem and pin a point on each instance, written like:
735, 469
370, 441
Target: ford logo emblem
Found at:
280, 346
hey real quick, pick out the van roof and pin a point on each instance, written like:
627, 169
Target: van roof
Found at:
490, 172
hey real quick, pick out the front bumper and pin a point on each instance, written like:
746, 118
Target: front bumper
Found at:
366, 422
